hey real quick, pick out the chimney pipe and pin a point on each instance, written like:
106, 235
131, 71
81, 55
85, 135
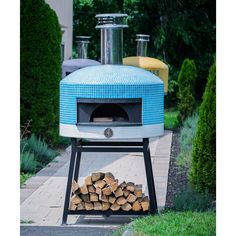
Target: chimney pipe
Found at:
111, 26
142, 40
82, 46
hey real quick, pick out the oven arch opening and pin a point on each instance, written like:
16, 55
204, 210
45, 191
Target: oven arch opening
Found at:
109, 113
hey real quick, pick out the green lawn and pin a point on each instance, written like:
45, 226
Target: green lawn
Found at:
170, 119
176, 224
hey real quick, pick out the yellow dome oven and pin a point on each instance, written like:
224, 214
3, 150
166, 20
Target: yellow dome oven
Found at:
153, 65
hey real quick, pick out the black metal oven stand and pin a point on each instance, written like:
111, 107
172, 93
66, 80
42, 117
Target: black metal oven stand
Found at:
79, 146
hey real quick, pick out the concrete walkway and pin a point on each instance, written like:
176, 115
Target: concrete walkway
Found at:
42, 197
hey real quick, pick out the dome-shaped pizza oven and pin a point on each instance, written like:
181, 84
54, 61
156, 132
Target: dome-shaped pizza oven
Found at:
111, 100
153, 65
82, 61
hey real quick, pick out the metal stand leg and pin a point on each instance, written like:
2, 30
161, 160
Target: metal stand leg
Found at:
77, 163
69, 180
149, 174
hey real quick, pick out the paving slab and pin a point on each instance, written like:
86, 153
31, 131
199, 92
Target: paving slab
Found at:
42, 197
63, 231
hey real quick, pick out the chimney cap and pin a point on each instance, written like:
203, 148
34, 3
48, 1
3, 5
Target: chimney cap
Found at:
84, 39
142, 37
111, 20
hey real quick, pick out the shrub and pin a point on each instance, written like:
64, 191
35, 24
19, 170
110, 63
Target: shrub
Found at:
203, 171
190, 200
40, 149
187, 134
40, 68
186, 83
27, 162
24, 177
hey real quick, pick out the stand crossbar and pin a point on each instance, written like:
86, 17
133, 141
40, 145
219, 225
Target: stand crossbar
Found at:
79, 146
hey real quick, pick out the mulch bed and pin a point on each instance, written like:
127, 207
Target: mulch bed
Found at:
177, 178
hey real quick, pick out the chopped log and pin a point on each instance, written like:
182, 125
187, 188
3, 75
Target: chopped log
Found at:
112, 199
126, 207
75, 199
98, 191
123, 185
85, 197
91, 189
136, 206
100, 184
141, 198
145, 203
109, 178
93, 197
118, 192
97, 176
106, 191
126, 192
84, 189
131, 198
89, 206
72, 207
121, 200
97, 206
88, 180
74, 186
115, 207
113, 186
103, 198
130, 186
105, 206
138, 190
81, 206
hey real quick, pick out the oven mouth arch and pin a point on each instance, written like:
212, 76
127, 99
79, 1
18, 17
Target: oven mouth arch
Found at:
109, 112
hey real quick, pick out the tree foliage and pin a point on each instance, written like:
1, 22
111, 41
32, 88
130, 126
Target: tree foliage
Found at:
178, 29
203, 171
40, 68
186, 83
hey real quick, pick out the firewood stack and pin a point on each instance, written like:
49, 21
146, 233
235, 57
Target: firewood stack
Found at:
101, 191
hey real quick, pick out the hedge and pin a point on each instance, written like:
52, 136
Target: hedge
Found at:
186, 84
40, 68
203, 170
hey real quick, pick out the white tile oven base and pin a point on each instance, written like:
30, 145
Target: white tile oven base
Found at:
97, 132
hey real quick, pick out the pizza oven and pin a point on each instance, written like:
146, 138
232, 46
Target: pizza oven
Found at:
111, 100
71, 65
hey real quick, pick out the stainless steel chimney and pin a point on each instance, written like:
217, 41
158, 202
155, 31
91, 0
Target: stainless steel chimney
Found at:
142, 40
82, 46
111, 26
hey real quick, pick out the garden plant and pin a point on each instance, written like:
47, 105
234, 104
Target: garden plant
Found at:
203, 172
40, 68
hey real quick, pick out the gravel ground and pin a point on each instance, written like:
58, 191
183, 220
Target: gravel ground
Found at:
177, 178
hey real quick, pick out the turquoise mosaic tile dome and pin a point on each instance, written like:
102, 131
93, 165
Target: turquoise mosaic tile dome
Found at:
113, 81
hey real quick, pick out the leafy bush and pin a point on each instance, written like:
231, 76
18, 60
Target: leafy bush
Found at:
40, 68
186, 83
39, 148
24, 177
28, 162
187, 134
203, 171
190, 200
